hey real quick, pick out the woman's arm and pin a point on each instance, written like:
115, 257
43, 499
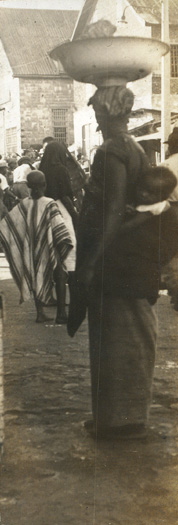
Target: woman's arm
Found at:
135, 221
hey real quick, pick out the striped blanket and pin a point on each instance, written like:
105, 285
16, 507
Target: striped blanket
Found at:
34, 238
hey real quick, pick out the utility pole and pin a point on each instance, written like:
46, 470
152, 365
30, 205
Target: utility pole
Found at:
165, 80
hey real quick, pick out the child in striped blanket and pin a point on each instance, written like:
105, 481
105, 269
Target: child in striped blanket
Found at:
36, 243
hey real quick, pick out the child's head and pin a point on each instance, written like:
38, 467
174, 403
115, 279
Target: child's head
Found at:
155, 186
37, 183
12, 164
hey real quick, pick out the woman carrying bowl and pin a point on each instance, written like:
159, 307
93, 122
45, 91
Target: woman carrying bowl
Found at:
122, 328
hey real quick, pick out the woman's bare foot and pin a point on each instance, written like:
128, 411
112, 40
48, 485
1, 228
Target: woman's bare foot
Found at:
61, 319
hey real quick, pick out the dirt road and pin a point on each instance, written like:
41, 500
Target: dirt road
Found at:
52, 473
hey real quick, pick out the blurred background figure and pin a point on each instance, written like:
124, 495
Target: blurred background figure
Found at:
46, 141
172, 160
58, 187
9, 199
12, 165
3, 174
3, 209
84, 163
20, 187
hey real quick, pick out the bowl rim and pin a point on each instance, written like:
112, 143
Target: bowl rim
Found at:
78, 42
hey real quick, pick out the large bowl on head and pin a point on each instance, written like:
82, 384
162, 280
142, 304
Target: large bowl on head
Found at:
107, 61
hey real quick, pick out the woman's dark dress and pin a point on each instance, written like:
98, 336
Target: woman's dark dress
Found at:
122, 331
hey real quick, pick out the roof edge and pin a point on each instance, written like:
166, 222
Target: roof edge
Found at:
28, 75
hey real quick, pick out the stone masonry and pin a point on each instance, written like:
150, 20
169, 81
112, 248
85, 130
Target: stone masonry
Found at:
38, 97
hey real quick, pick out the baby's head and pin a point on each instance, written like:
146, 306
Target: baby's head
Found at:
155, 186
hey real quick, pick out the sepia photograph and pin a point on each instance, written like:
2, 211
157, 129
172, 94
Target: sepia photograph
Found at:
88, 262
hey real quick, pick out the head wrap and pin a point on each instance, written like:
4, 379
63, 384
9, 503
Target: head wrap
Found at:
114, 100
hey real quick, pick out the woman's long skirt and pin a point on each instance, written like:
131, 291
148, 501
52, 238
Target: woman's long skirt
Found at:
122, 336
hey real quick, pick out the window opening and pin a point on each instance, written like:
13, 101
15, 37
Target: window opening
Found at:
60, 116
174, 60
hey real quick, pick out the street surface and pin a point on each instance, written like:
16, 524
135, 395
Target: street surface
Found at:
52, 473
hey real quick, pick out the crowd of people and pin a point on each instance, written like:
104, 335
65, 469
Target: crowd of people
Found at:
113, 255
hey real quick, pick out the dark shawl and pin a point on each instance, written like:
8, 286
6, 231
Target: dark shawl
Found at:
53, 165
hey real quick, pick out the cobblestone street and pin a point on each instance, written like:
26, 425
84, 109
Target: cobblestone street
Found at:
52, 473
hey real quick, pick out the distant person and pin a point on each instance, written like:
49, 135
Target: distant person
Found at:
78, 177
12, 165
30, 153
3, 173
172, 161
84, 163
46, 141
171, 271
36, 242
58, 187
3, 209
37, 162
70, 262
20, 186
9, 198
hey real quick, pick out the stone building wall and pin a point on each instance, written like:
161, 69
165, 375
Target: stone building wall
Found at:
156, 80
9, 107
39, 97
